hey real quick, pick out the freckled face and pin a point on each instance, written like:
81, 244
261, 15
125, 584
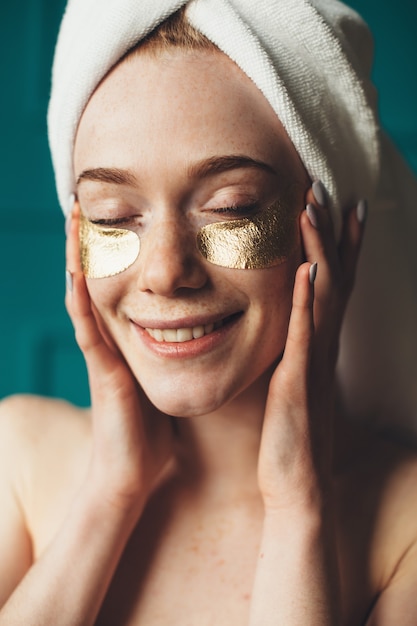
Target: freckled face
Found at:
166, 147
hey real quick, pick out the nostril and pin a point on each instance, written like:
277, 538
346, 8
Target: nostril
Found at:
169, 263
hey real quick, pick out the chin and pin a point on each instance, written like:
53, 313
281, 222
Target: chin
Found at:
190, 396
192, 399
184, 405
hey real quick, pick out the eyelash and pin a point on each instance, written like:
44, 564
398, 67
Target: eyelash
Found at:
242, 210
116, 221
237, 210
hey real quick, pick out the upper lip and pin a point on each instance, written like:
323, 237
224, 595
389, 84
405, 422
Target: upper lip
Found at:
183, 322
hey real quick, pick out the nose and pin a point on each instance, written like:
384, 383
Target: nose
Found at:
169, 260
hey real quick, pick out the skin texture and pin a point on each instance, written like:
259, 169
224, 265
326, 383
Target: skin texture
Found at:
213, 498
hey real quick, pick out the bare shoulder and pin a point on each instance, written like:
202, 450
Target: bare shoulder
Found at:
384, 476
44, 451
28, 412
377, 512
34, 427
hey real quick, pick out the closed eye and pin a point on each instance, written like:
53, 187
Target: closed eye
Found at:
232, 211
243, 210
115, 221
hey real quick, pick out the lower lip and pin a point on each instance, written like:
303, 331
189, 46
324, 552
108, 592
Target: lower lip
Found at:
192, 348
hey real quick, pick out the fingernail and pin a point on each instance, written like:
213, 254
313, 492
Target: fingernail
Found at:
362, 211
319, 193
68, 280
312, 273
312, 215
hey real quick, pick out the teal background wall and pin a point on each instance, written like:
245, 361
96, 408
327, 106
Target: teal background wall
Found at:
394, 26
38, 352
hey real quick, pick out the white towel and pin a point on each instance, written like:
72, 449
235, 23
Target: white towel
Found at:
295, 51
311, 59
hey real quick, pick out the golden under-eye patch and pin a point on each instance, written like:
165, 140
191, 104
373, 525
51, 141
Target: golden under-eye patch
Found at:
106, 251
250, 243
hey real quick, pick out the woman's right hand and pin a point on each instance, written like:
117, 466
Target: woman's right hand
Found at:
131, 438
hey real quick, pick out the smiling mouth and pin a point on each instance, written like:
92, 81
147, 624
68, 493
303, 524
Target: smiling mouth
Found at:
180, 335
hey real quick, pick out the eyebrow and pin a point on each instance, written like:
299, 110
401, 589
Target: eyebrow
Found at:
201, 169
219, 164
112, 175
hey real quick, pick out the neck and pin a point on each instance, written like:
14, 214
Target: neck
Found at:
218, 453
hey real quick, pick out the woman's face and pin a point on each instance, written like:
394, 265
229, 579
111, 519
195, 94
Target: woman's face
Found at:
156, 151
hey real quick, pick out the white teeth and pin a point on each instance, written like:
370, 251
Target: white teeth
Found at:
169, 334
198, 331
184, 334
157, 334
179, 335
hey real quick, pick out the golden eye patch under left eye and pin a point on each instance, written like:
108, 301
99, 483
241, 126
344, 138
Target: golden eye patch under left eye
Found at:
106, 251
251, 243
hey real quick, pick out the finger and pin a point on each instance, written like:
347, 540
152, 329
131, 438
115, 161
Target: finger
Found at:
80, 308
86, 329
350, 244
72, 262
99, 357
286, 415
320, 246
319, 241
297, 353
72, 244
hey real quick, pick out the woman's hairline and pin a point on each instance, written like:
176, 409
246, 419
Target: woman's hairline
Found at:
174, 32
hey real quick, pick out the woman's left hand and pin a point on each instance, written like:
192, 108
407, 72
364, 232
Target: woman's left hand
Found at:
297, 578
296, 447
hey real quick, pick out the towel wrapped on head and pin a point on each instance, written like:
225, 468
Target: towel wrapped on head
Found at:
311, 59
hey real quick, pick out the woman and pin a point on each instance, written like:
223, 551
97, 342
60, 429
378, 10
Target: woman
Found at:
204, 485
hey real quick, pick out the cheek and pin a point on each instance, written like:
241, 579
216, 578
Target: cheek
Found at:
105, 293
275, 293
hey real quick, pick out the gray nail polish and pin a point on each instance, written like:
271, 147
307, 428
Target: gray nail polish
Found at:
362, 211
312, 273
68, 280
312, 215
319, 193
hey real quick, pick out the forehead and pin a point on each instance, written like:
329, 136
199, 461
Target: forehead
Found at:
177, 107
